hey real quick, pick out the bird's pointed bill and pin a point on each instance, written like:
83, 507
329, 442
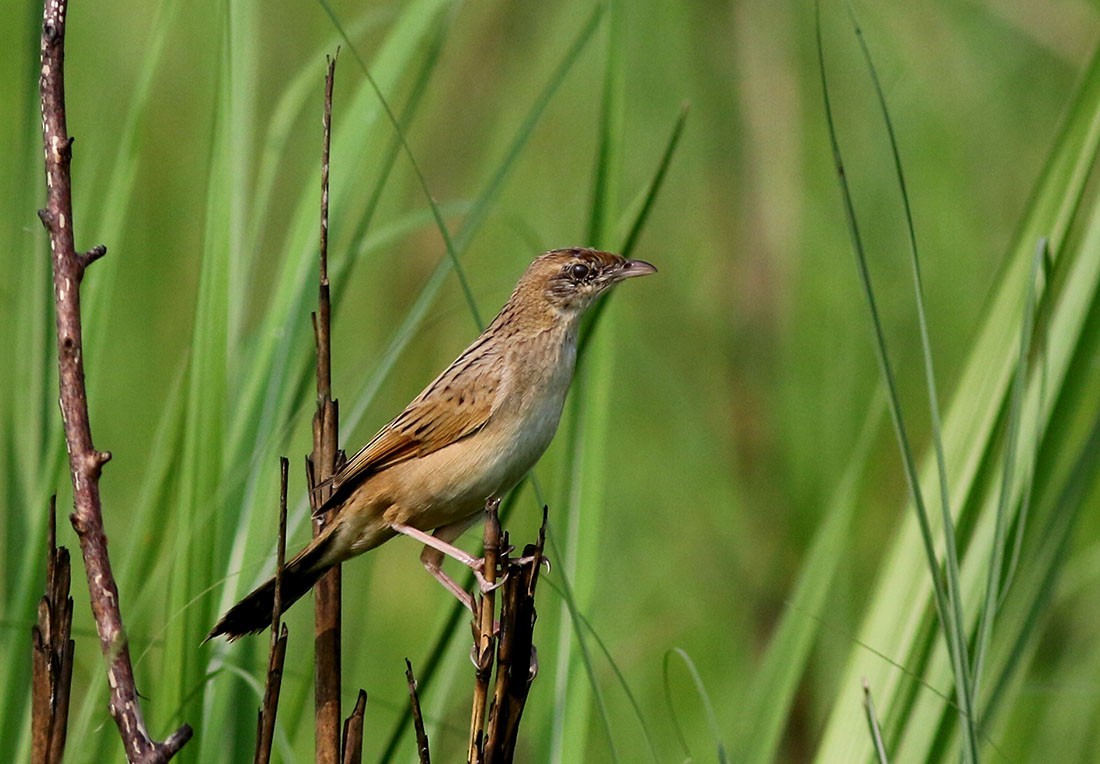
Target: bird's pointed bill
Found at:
632, 268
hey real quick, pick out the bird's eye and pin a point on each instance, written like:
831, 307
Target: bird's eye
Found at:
580, 271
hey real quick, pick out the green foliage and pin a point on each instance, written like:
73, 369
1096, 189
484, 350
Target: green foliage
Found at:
724, 489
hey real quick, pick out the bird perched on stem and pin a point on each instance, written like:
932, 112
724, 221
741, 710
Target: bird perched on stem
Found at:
469, 437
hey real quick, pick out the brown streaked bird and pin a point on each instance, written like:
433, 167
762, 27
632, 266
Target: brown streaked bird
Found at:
470, 436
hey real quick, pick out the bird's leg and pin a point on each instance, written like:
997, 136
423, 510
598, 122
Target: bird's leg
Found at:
441, 545
438, 545
433, 563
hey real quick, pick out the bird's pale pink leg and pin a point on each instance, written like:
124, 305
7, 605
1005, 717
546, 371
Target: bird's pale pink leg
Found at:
438, 545
439, 542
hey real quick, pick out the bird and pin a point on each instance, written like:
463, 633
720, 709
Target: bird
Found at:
468, 438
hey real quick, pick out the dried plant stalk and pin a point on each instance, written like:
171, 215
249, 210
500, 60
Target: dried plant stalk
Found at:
265, 733
484, 636
517, 659
53, 655
353, 731
422, 752
323, 463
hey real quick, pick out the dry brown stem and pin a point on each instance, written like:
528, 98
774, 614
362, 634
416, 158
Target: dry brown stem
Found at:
422, 751
484, 633
517, 660
53, 655
265, 733
322, 464
353, 731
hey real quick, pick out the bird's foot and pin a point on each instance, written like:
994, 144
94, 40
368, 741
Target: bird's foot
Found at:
542, 560
484, 584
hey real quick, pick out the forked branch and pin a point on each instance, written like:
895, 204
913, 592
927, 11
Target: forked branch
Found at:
85, 462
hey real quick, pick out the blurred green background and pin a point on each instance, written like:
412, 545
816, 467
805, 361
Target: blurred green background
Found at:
712, 427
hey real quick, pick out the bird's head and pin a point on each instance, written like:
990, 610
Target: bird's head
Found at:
570, 280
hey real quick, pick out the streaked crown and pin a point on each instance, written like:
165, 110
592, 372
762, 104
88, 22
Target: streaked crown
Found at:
572, 279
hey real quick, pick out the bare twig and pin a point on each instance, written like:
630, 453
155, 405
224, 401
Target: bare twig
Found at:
484, 637
517, 660
423, 755
85, 462
322, 464
353, 731
265, 734
53, 655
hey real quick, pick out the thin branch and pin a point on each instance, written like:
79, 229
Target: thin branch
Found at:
265, 734
85, 462
53, 655
422, 752
323, 463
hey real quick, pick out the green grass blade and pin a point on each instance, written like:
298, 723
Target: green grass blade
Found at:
915, 723
994, 593
620, 677
947, 604
637, 225
954, 626
768, 700
399, 132
704, 698
587, 468
873, 726
578, 545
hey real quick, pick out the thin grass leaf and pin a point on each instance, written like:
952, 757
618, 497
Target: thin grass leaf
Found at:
637, 225
704, 699
300, 96
620, 677
649, 195
441, 224
573, 619
202, 444
568, 741
954, 627
420, 86
947, 598
769, 698
873, 725
585, 471
994, 594
971, 433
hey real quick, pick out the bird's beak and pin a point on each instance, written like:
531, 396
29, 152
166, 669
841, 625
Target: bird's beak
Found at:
631, 268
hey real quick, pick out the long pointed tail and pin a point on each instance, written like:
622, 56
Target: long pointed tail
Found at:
253, 613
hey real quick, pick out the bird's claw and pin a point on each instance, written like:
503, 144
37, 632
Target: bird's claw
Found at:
485, 585
542, 560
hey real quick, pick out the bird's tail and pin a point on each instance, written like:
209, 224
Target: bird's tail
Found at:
253, 613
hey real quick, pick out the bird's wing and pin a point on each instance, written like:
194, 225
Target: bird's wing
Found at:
456, 405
